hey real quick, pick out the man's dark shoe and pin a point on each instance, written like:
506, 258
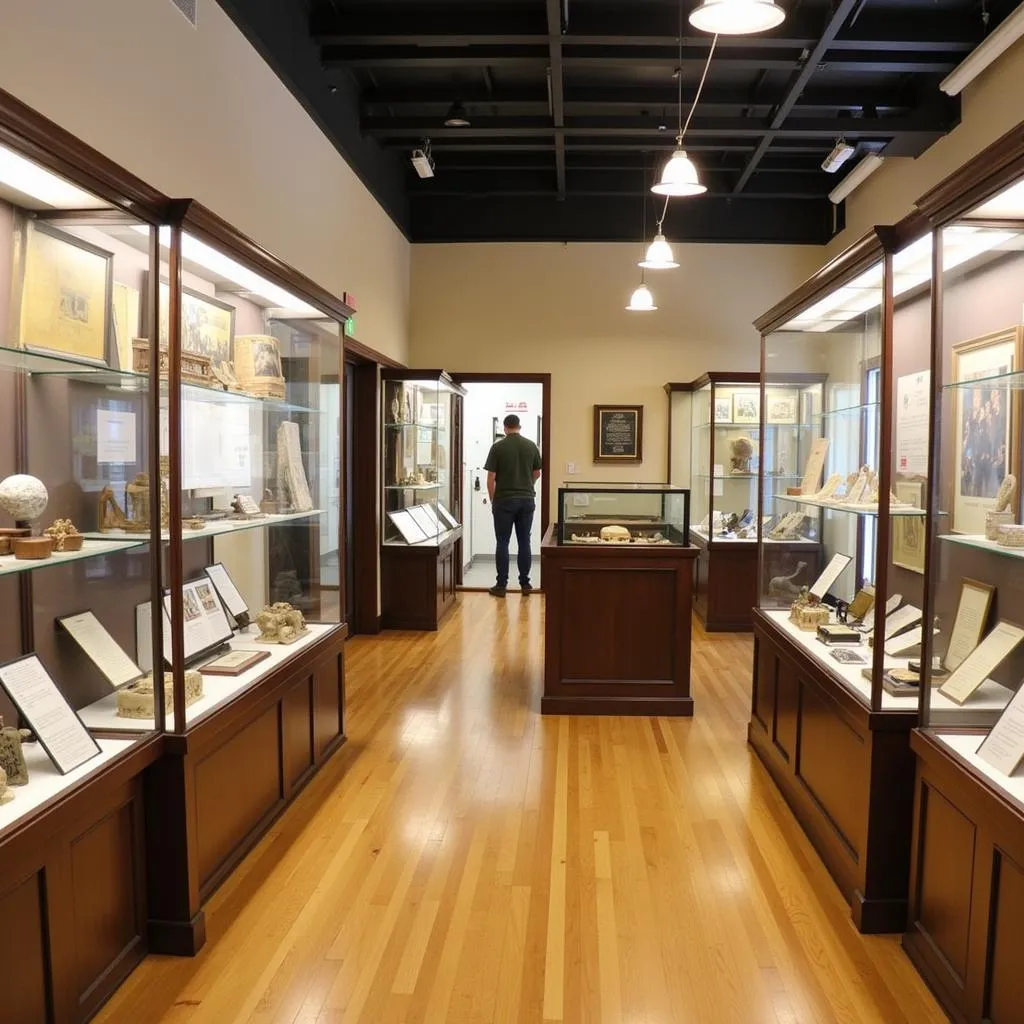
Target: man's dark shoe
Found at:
525, 588
497, 591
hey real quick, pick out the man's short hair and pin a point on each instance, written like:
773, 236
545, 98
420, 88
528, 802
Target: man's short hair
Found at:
511, 420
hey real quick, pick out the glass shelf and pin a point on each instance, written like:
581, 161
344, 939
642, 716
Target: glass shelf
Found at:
37, 364
724, 425
748, 476
215, 528
970, 540
413, 487
997, 382
90, 549
847, 409
870, 511
409, 426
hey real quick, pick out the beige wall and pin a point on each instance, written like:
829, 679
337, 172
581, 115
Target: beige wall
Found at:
991, 106
197, 113
559, 309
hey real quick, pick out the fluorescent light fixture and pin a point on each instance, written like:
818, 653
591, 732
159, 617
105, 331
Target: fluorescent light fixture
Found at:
659, 255
1009, 204
867, 166
642, 301
984, 54
841, 152
737, 17
227, 269
28, 178
422, 163
679, 177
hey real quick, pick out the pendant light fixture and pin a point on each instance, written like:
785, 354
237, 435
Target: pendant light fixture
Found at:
659, 253
457, 116
642, 301
679, 176
737, 17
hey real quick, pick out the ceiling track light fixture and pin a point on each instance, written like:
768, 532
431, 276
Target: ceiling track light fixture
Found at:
422, 161
457, 116
737, 17
679, 176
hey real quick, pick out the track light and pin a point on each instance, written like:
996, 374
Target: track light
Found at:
737, 17
841, 152
457, 116
422, 161
659, 255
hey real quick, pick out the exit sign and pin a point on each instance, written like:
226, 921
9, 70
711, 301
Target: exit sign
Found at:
350, 327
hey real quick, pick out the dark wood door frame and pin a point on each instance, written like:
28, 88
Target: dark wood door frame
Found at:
364, 364
544, 379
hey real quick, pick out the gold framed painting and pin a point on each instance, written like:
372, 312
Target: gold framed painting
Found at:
207, 324
66, 294
908, 532
986, 420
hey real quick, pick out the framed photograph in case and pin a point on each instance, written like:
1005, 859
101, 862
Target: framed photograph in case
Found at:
746, 406
908, 532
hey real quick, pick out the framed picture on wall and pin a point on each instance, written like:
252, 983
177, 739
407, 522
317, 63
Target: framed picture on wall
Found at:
986, 415
723, 409
66, 294
207, 325
908, 532
746, 406
782, 407
618, 433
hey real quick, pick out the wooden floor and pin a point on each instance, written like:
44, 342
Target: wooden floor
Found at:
462, 859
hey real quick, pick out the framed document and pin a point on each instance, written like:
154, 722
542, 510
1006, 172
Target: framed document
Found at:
1003, 747
102, 649
969, 624
234, 663
815, 466
820, 587
981, 662
60, 731
407, 526
618, 433
206, 622
228, 593
446, 517
427, 523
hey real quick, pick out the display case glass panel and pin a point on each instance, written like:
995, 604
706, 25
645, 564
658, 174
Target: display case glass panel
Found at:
257, 453
420, 477
623, 514
859, 485
76, 428
973, 701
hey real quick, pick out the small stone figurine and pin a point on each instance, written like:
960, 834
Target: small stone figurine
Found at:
280, 623
12, 759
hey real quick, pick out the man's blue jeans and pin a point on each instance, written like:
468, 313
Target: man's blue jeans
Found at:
509, 514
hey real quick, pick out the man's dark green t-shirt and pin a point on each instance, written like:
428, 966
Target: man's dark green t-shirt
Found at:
512, 460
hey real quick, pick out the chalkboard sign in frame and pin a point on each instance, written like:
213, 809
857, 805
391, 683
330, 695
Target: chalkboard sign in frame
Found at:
618, 433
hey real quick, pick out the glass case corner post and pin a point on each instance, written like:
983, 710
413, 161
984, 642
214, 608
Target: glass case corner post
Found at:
175, 556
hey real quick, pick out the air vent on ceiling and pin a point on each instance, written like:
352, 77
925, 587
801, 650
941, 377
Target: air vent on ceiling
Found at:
188, 8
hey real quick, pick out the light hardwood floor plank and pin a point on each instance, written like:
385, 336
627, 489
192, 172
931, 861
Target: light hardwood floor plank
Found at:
464, 861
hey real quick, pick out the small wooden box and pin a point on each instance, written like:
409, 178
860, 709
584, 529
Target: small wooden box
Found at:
195, 369
258, 365
32, 548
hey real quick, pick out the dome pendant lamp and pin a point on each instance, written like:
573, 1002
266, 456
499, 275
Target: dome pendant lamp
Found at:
737, 17
679, 176
659, 255
642, 301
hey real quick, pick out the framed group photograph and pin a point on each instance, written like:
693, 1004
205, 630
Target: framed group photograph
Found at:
207, 324
908, 532
987, 423
66, 294
723, 409
746, 406
782, 407
618, 433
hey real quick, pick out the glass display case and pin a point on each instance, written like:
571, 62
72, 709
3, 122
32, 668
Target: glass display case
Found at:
857, 490
421, 503
641, 515
422, 488
76, 419
977, 546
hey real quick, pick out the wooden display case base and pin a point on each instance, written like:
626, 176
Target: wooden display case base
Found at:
617, 628
417, 582
73, 895
967, 888
846, 773
219, 786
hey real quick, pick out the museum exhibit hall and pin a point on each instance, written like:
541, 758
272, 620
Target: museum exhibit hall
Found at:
320, 702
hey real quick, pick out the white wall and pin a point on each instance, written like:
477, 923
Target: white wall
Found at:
197, 113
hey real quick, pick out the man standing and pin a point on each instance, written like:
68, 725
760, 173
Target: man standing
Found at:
513, 466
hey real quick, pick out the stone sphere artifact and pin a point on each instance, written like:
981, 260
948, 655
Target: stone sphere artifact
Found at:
23, 497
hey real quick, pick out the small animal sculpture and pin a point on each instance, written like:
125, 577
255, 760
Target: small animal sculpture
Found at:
785, 586
280, 623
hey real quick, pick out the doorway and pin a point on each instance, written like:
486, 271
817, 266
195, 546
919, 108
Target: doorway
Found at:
488, 400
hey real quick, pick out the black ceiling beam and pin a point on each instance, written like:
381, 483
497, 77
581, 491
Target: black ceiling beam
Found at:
927, 124
557, 86
798, 83
539, 145
614, 219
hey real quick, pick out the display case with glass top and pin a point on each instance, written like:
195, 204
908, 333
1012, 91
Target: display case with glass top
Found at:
623, 514
835, 640
421, 507
731, 445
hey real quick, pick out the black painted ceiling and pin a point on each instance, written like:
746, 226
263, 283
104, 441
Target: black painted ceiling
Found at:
572, 105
